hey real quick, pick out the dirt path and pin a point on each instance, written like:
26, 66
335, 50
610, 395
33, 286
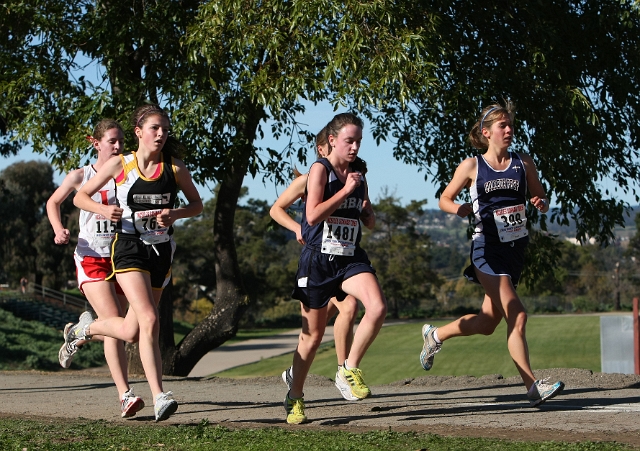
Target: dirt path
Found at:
598, 407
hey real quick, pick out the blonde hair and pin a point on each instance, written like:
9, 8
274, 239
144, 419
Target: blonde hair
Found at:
488, 116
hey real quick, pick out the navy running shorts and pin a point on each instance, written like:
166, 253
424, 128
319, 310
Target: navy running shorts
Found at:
497, 259
129, 253
320, 276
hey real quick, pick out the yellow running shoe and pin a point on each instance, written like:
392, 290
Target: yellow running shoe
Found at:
295, 410
353, 377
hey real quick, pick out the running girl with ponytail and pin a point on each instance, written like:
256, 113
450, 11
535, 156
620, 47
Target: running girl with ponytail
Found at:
147, 182
500, 182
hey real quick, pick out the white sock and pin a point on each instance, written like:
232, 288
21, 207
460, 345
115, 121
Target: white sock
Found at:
344, 365
435, 337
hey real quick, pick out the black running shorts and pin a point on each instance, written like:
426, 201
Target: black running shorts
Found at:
129, 253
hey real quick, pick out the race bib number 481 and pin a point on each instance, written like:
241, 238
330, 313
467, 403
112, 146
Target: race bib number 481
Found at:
511, 222
339, 236
147, 225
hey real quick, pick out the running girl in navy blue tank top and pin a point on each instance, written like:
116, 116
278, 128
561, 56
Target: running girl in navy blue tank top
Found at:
498, 181
333, 262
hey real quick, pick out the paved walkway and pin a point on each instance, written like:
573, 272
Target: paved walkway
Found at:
249, 351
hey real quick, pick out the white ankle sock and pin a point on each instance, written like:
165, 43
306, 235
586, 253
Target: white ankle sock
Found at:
435, 337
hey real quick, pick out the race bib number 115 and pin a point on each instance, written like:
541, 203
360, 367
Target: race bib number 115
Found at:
103, 231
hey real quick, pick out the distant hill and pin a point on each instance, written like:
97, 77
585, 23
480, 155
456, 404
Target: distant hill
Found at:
446, 229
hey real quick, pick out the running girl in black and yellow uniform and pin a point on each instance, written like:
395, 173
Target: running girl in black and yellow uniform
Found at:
147, 182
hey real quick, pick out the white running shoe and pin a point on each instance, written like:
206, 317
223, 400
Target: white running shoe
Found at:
130, 404
68, 349
79, 331
540, 391
430, 347
165, 406
287, 377
345, 388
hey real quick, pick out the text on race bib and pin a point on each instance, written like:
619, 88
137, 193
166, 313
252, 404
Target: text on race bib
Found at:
102, 230
511, 222
146, 224
339, 236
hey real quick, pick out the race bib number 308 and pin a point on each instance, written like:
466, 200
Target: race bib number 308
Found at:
147, 225
339, 236
511, 222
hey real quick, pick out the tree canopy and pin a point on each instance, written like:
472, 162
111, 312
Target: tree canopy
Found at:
418, 70
27, 246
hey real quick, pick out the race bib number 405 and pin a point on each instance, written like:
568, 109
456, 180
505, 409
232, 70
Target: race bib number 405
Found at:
511, 222
147, 225
339, 236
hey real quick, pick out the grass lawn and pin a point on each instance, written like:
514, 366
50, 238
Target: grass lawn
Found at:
554, 342
83, 435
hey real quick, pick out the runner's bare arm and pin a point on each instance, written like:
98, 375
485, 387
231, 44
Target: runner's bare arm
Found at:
70, 184
538, 196
367, 216
194, 206
462, 178
278, 210
317, 210
110, 170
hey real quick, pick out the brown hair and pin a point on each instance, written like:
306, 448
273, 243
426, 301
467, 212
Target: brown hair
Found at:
142, 113
341, 120
322, 139
359, 165
488, 116
102, 127
172, 147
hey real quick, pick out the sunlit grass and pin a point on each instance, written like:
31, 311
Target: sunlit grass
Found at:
554, 342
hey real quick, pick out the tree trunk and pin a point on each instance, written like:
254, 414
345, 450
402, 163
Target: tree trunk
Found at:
133, 359
231, 297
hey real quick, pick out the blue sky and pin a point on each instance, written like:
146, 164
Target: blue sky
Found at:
384, 171
402, 180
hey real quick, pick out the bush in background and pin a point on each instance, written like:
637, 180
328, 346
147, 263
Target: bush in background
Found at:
30, 345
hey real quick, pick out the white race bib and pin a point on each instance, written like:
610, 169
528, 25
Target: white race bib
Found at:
511, 222
146, 224
339, 236
101, 230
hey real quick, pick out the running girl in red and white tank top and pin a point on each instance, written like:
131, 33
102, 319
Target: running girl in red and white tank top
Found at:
92, 258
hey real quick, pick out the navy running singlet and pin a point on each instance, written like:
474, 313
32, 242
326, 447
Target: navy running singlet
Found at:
340, 233
499, 201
